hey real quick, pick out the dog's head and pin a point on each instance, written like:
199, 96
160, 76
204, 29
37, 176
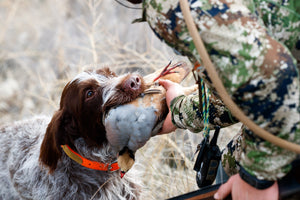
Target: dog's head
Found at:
83, 102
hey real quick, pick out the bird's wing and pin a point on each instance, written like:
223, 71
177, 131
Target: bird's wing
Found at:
130, 126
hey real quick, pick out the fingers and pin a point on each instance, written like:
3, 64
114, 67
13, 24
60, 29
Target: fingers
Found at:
224, 190
173, 90
165, 83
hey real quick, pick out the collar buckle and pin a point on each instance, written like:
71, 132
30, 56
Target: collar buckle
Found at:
111, 167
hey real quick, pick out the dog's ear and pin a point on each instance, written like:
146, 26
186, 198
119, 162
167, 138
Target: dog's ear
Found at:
50, 151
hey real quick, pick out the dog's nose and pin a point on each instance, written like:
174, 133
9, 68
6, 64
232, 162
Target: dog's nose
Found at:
133, 83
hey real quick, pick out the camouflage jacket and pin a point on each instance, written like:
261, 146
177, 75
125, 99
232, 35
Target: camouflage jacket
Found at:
249, 43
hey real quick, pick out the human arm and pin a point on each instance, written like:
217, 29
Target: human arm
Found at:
257, 71
184, 112
172, 91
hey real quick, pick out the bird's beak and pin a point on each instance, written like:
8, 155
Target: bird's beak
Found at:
122, 173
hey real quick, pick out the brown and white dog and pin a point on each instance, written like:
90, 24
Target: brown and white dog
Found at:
39, 157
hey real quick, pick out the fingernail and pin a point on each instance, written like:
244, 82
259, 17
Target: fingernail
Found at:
216, 196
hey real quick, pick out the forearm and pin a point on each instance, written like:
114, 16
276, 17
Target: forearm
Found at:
186, 114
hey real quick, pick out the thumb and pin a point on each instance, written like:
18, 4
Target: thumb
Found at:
224, 190
172, 90
165, 83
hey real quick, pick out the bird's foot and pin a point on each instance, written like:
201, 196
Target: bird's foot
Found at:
167, 70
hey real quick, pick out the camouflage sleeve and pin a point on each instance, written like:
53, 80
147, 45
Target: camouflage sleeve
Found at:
282, 18
257, 71
186, 114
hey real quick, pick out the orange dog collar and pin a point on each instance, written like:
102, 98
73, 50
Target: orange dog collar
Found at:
89, 163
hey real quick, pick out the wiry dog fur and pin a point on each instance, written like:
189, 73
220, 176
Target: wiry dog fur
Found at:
32, 163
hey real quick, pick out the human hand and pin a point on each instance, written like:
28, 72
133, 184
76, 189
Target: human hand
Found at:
172, 90
240, 190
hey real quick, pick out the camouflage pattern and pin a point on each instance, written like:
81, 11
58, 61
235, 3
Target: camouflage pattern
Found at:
283, 22
232, 154
186, 114
249, 43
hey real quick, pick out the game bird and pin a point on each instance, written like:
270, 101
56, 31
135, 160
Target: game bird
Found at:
130, 126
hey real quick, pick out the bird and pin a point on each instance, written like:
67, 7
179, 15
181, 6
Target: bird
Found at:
131, 125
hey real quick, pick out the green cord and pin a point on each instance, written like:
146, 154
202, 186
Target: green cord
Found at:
205, 108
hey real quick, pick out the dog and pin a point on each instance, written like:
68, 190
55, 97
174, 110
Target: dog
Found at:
68, 156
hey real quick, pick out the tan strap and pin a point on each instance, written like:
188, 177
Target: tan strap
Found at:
212, 73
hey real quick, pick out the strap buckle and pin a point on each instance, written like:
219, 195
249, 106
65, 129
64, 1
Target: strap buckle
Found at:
113, 166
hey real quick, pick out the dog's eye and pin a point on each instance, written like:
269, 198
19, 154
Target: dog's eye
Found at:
89, 94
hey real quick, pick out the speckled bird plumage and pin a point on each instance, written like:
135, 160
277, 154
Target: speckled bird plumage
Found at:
131, 125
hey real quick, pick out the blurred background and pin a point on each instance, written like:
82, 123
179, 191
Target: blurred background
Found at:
44, 43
